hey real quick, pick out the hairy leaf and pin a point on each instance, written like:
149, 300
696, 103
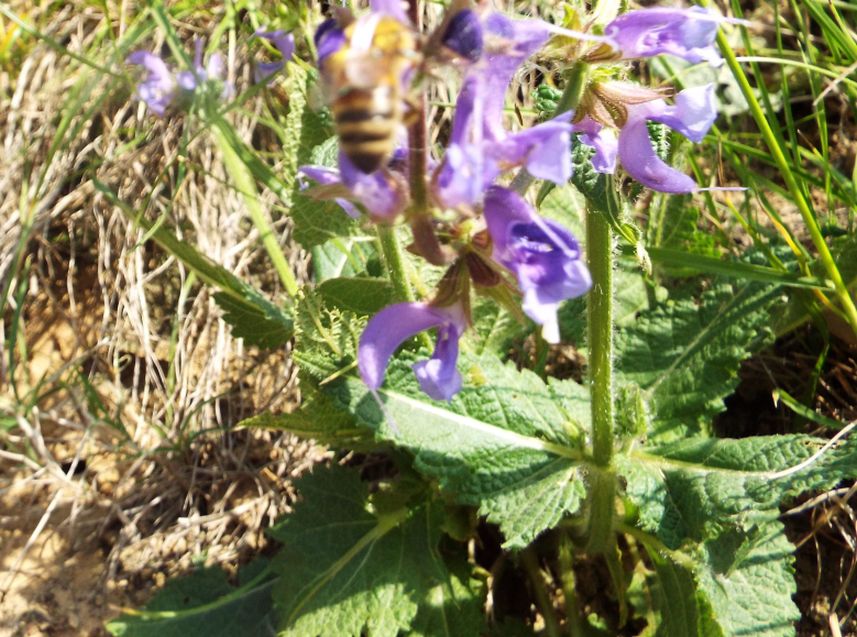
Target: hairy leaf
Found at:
685, 353
203, 604
694, 489
506, 443
342, 257
255, 319
349, 572
363, 295
734, 584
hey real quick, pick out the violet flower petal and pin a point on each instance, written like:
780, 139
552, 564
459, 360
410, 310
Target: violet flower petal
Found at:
544, 257
643, 164
685, 33
692, 115
158, 89
382, 194
463, 176
329, 39
393, 325
284, 43
394, 8
463, 35
438, 376
543, 149
603, 140
328, 177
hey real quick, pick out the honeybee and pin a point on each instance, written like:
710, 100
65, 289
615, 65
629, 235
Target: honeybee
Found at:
365, 81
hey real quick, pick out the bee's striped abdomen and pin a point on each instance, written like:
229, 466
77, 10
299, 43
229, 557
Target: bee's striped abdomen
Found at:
366, 121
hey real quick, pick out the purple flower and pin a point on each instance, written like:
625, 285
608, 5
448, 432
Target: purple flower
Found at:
162, 86
685, 33
392, 326
464, 36
480, 148
603, 140
383, 193
284, 43
189, 80
158, 88
544, 256
692, 115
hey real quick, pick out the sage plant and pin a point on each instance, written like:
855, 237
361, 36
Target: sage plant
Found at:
496, 469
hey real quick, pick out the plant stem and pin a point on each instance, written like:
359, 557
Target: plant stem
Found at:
543, 599
417, 135
395, 262
565, 558
599, 249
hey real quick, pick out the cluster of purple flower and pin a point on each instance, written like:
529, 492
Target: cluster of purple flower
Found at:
164, 86
511, 247
542, 257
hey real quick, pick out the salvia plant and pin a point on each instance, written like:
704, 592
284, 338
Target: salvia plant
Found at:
480, 467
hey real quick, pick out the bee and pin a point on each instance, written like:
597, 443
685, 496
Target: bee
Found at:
366, 84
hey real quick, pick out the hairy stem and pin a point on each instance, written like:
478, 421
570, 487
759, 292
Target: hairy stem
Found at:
599, 249
417, 135
543, 598
394, 259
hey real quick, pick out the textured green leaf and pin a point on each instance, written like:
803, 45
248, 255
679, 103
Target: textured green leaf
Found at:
749, 582
494, 329
256, 320
348, 572
319, 221
363, 295
683, 610
507, 442
677, 228
735, 584
203, 604
685, 353
342, 257
325, 338
317, 419
694, 489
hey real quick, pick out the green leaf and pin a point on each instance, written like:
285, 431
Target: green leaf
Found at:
325, 338
319, 221
494, 329
694, 489
363, 295
255, 319
684, 611
749, 582
348, 572
203, 604
342, 257
506, 443
317, 419
685, 353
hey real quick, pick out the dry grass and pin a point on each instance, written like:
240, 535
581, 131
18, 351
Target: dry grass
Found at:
120, 383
